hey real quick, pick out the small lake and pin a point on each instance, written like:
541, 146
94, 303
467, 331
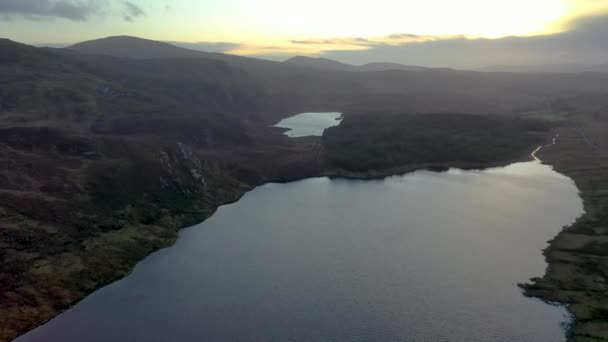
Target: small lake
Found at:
420, 257
309, 124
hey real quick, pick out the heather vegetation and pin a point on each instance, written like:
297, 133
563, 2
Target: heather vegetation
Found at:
385, 140
104, 158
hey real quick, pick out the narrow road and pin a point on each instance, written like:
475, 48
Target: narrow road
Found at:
553, 142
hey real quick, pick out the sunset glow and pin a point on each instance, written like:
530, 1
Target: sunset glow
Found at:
289, 27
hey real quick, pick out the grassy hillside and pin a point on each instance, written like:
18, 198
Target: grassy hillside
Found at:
104, 158
306, 87
379, 140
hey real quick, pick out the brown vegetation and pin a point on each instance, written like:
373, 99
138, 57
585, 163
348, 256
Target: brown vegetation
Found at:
103, 159
578, 256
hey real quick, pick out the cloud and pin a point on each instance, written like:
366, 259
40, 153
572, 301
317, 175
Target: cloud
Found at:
583, 43
335, 41
272, 52
311, 47
75, 10
131, 11
38, 9
208, 46
359, 43
402, 35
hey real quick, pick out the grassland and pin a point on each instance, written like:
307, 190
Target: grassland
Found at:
104, 159
578, 257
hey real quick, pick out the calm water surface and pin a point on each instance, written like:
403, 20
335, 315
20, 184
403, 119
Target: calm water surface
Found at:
309, 124
421, 257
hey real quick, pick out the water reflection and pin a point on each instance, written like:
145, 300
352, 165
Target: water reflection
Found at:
421, 257
309, 124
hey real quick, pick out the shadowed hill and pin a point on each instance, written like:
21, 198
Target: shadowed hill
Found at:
386, 140
392, 66
138, 48
13, 52
302, 85
547, 68
104, 158
328, 64
82, 88
105, 153
132, 47
320, 63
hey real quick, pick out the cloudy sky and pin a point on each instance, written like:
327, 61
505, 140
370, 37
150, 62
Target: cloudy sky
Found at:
455, 33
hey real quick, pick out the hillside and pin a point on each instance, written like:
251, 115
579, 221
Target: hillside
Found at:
289, 85
385, 140
391, 66
132, 47
328, 64
320, 63
106, 156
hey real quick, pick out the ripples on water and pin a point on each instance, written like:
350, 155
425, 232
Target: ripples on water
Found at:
421, 257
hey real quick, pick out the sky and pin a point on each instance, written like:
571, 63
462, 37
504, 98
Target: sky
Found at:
453, 33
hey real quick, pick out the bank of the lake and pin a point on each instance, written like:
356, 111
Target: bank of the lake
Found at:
100, 259
577, 256
424, 256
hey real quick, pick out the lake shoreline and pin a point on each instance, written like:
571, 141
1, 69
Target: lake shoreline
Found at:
389, 174
134, 242
203, 212
577, 255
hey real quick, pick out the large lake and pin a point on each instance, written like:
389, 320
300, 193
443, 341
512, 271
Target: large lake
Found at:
421, 257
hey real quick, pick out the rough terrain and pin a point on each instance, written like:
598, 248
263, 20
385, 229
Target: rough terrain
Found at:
103, 158
578, 257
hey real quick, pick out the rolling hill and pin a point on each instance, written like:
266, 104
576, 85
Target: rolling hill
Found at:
328, 64
110, 146
309, 83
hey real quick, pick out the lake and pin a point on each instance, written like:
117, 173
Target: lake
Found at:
420, 257
309, 124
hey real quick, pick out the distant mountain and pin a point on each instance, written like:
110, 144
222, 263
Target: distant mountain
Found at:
547, 68
310, 84
132, 47
139, 48
285, 86
109, 146
320, 63
391, 66
13, 52
328, 64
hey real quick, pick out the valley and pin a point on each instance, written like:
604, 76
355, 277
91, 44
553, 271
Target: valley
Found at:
106, 154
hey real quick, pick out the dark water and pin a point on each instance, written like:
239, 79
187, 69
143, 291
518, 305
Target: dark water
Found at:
421, 257
309, 124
